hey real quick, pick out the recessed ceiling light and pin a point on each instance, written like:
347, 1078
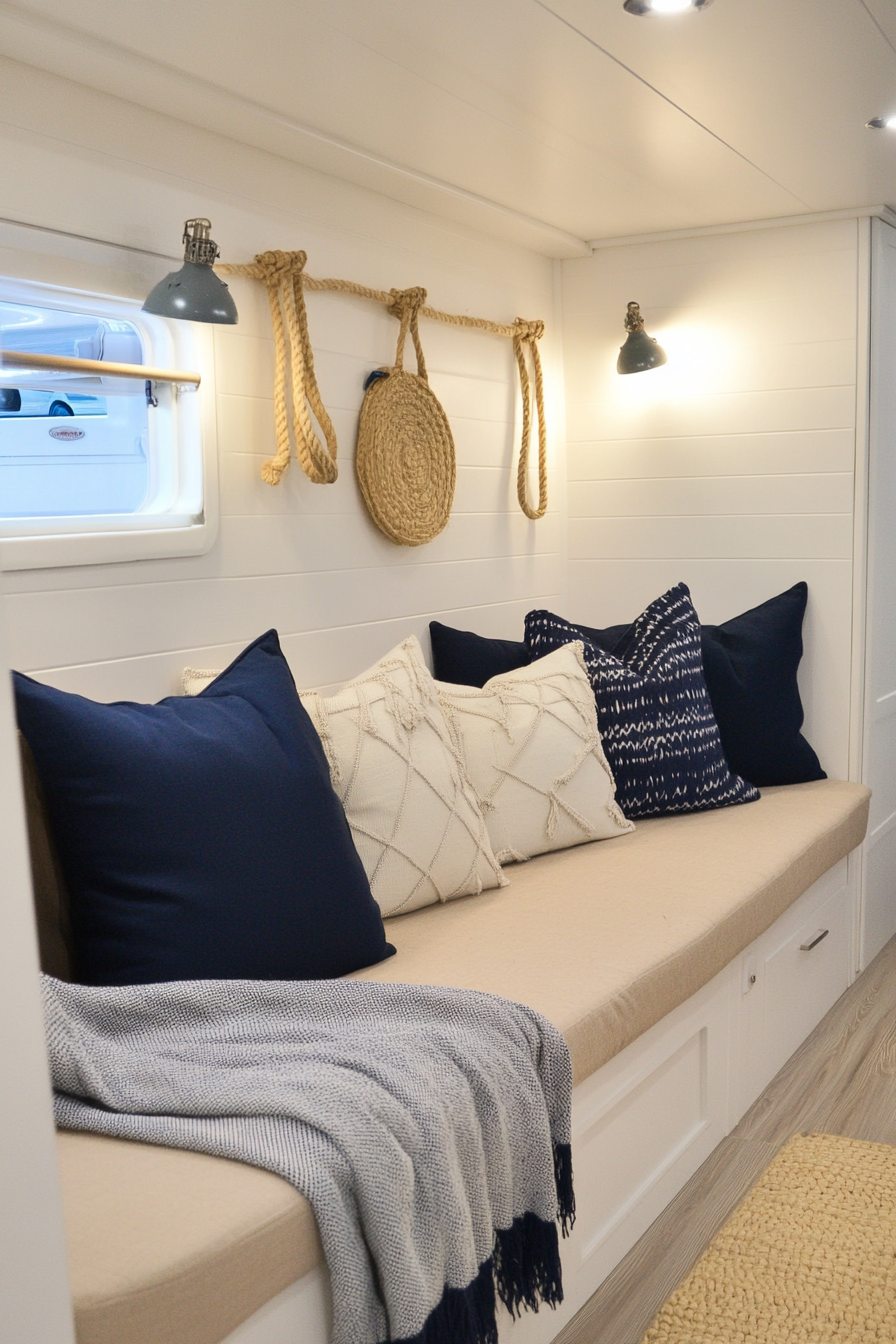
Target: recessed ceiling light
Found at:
642, 7
882, 123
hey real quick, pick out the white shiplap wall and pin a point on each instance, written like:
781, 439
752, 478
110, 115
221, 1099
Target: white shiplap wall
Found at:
301, 557
879, 746
732, 467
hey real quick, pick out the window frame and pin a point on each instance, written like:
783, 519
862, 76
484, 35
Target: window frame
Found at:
189, 525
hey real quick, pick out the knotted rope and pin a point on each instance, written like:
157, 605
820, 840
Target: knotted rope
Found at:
406, 305
283, 274
527, 335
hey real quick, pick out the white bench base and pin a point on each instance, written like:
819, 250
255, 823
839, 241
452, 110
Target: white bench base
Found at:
646, 1121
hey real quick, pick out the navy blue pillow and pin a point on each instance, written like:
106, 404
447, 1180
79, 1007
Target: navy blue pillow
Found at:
201, 837
608, 639
466, 659
653, 710
750, 664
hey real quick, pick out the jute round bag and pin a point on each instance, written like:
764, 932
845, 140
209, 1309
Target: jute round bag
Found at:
405, 459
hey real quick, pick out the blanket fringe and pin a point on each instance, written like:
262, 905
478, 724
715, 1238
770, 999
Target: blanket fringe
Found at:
464, 1315
566, 1200
524, 1269
527, 1264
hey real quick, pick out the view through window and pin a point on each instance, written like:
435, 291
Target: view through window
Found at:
72, 445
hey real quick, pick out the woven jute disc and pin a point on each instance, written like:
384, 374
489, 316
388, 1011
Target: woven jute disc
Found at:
405, 460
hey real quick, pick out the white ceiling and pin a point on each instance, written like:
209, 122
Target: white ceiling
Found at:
575, 119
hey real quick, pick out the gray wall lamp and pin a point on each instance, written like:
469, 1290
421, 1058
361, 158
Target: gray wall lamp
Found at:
640, 352
194, 292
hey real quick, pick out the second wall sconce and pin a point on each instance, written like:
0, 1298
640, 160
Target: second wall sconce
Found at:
640, 352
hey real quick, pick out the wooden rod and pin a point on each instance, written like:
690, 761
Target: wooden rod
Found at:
66, 364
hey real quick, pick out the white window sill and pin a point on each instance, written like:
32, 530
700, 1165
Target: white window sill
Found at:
103, 544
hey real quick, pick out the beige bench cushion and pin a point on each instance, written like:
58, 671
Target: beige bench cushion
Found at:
607, 938
604, 939
171, 1247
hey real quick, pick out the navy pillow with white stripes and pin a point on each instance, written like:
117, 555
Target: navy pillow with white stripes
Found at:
653, 710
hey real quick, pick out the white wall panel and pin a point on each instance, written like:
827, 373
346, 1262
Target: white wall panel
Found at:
320, 658
814, 536
879, 923
715, 496
477, 490
731, 467
713, 413
34, 1297
303, 558
669, 458
98, 624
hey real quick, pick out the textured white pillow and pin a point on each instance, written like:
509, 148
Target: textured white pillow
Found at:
415, 820
195, 679
532, 751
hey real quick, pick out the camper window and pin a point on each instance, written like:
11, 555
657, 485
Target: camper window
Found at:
96, 467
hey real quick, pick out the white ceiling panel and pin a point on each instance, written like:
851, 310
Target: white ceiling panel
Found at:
788, 85
883, 13
567, 113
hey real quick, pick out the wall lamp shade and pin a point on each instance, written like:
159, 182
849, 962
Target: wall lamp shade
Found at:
640, 352
194, 293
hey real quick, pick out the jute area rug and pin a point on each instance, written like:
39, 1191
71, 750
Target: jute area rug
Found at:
808, 1257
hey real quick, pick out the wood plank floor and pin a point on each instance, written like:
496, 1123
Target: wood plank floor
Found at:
842, 1080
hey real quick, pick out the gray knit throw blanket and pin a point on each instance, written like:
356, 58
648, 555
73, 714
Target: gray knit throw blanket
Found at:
429, 1128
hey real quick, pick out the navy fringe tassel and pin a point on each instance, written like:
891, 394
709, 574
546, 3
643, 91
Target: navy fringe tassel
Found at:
524, 1270
566, 1200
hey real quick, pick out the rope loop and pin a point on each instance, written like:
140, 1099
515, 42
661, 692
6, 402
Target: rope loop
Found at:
525, 337
281, 273
405, 304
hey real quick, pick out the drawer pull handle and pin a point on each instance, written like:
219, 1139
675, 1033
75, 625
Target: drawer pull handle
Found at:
813, 942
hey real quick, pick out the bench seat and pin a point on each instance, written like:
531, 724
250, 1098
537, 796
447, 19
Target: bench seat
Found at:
168, 1247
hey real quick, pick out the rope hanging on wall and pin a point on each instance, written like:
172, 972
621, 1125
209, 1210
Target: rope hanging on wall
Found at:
281, 274
528, 334
405, 460
284, 276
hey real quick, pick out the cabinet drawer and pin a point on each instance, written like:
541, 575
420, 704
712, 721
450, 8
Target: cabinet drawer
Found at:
804, 977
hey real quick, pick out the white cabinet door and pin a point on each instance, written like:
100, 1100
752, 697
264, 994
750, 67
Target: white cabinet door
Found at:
788, 980
804, 977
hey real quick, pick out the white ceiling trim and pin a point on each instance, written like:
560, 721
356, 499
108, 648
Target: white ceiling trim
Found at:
111, 68
885, 212
7, 223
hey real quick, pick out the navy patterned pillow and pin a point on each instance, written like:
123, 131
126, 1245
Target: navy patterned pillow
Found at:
653, 710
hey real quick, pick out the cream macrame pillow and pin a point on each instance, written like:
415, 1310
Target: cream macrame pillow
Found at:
532, 751
195, 679
414, 818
